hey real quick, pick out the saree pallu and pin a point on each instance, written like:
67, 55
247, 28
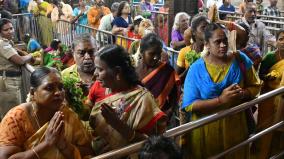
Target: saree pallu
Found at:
162, 82
46, 30
136, 108
17, 130
74, 133
270, 144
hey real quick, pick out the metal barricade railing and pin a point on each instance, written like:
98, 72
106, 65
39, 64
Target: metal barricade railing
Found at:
24, 23
159, 19
270, 25
236, 14
173, 55
177, 131
277, 155
161, 23
249, 140
274, 22
273, 18
26, 75
102, 37
66, 31
270, 21
282, 13
63, 31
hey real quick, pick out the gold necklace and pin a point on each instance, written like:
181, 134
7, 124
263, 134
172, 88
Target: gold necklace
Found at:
35, 116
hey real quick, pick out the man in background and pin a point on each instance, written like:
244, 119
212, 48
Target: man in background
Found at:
272, 10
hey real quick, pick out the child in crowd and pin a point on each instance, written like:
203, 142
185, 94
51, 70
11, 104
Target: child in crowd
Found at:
159, 147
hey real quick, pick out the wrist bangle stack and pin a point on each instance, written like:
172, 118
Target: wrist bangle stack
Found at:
37, 156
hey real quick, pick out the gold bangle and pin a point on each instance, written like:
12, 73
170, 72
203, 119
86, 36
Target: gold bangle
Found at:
37, 156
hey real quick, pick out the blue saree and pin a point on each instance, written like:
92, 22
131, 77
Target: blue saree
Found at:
199, 85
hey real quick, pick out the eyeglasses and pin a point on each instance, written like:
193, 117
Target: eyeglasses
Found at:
82, 53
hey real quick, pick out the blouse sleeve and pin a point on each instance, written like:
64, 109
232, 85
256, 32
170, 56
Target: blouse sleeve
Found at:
174, 36
115, 22
7, 50
181, 58
15, 128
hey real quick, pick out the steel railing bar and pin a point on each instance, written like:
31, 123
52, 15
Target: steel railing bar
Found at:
249, 140
277, 155
195, 124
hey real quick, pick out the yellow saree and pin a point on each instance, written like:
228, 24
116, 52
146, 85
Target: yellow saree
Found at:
267, 113
137, 108
218, 136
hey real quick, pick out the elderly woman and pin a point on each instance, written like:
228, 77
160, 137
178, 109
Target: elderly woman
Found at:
271, 70
124, 111
215, 82
43, 128
158, 77
10, 71
181, 23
